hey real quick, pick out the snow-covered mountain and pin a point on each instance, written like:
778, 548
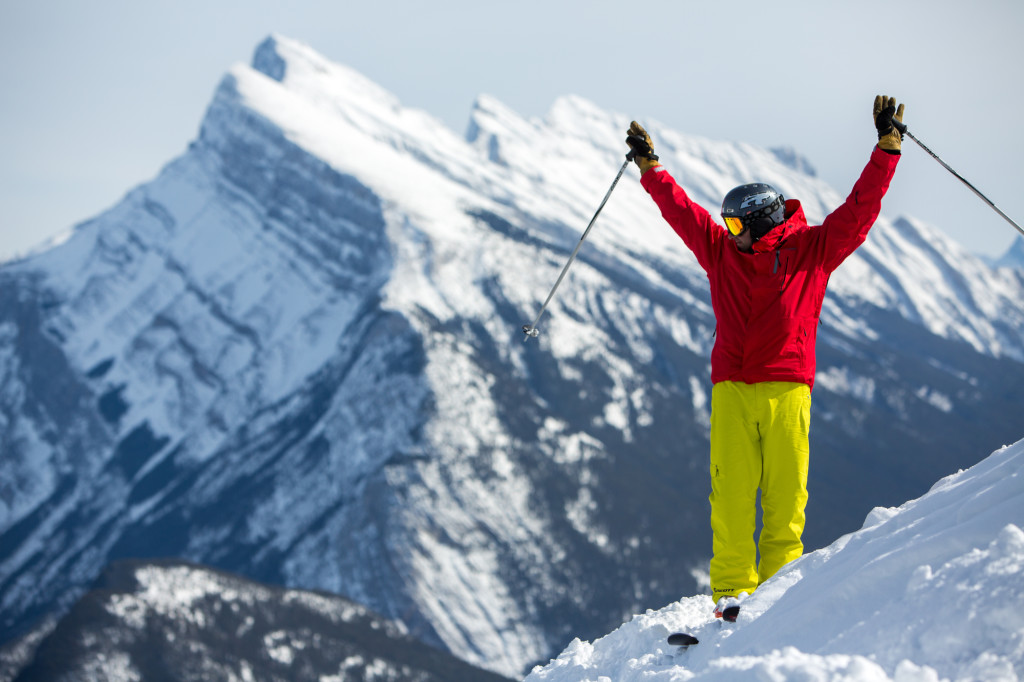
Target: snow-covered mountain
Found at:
1014, 256
296, 355
932, 590
172, 620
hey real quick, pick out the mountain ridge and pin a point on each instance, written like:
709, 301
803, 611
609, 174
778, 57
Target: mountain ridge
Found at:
139, 617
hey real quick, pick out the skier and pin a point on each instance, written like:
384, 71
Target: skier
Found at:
768, 270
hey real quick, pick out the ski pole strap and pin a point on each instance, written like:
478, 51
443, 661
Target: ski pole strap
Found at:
638, 147
902, 127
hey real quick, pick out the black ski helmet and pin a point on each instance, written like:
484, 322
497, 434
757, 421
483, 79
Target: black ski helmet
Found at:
759, 206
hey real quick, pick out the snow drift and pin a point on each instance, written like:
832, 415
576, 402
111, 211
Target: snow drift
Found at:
931, 590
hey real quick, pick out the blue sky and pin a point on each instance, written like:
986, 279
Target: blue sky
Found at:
98, 96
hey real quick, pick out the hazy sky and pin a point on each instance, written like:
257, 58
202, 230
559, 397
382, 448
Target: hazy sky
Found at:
97, 96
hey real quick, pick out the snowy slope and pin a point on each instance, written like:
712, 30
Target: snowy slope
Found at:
930, 590
295, 355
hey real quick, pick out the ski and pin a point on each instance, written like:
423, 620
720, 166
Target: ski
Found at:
682, 639
730, 614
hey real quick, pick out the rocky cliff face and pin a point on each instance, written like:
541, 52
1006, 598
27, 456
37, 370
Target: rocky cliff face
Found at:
295, 355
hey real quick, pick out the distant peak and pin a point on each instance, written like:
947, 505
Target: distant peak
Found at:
268, 60
489, 121
303, 69
488, 104
569, 107
1014, 256
793, 159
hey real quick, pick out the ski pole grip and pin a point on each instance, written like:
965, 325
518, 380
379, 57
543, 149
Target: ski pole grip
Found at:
900, 126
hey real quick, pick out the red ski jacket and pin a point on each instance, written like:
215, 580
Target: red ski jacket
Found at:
767, 303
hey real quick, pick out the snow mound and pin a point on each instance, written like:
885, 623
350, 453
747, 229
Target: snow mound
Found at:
932, 590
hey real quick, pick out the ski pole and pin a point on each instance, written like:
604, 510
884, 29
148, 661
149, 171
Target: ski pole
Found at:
531, 329
902, 127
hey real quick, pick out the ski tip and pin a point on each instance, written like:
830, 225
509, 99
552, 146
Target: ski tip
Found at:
682, 639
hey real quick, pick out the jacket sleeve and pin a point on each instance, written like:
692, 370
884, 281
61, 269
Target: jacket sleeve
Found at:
847, 227
690, 221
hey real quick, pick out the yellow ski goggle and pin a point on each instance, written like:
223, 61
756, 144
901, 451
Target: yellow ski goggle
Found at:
735, 226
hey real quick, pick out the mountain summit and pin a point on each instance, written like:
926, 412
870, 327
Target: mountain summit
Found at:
296, 355
1014, 256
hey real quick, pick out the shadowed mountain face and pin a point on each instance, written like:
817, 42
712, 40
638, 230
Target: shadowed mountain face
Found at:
173, 621
295, 355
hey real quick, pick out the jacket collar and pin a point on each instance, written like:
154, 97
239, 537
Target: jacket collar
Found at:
795, 221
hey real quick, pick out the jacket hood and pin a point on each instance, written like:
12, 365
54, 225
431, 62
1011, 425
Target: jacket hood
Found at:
795, 221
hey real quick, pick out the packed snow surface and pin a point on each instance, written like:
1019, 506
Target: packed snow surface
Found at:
932, 590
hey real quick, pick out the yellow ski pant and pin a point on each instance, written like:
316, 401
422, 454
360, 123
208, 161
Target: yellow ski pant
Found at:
758, 441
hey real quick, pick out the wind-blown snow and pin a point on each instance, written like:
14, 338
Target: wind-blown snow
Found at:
932, 590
